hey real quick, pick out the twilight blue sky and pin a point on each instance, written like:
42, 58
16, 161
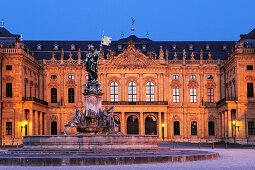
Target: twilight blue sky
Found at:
163, 19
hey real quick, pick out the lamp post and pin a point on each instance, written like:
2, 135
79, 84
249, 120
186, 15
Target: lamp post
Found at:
234, 125
163, 125
24, 127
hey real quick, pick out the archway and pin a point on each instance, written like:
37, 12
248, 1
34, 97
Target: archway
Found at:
132, 125
54, 128
150, 125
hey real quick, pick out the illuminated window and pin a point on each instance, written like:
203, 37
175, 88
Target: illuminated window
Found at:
192, 77
114, 97
132, 92
39, 47
193, 95
55, 47
176, 97
150, 92
210, 77
174, 47
210, 95
72, 47
71, 77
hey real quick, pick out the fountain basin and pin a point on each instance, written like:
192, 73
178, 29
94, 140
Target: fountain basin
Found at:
85, 141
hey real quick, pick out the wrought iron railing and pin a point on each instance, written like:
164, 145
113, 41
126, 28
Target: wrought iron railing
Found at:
135, 103
227, 99
35, 100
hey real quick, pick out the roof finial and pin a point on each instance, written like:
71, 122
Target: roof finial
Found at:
2, 23
147, 34
21, 37
132, 29
122, 35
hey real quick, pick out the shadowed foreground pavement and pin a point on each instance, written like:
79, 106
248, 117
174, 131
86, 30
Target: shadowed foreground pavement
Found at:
229, 159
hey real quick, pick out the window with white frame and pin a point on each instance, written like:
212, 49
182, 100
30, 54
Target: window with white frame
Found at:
190, 47
114, 97
131, 92
207, 47
193, 95
210, 95
176, 95
119, 47
150, 92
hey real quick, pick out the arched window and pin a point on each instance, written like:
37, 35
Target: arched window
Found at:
114, 92
211, 128
150, 92
176, 128
53, 95
131, 92
150, 125
132, 125
193, 128
71, 95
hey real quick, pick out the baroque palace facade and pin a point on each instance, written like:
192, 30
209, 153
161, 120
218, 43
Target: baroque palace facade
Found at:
183, 91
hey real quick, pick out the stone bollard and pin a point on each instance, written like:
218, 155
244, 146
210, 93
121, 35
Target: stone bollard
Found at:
199, 145
173, 145
226, 145
252, 145
213, 145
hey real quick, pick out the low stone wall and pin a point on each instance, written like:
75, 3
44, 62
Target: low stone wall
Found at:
80, 141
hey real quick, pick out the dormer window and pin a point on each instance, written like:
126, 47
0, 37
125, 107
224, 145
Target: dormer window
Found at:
190, 47
144, 48
119, 47
207, 47
174, 47
55, 47
247, 45
72, 47
224, 47
39, 47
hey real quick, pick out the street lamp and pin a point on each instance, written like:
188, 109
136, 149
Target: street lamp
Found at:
25, 127
163, 125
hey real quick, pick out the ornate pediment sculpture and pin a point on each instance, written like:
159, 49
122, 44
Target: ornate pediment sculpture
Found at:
131, 58
193, 84
175, 84
210, 84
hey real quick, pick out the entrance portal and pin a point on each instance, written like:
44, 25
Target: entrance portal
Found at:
54, 128
132, 125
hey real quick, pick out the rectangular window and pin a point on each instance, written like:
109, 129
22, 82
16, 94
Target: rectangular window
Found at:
193, 95
8, 128
8, 67
250, 90
192, 77
176, 96
194, 128
35, 92
30, 92
176, 128
210, 95
251, 128
249, 67
53, 95
71, 95
8, 89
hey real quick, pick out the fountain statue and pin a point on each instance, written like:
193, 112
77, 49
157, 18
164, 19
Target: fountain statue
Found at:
93, 120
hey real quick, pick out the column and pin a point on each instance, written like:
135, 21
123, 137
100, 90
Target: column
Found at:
229, 124
159, 125
142, 129
44, 124
36, 127
224, 125
165, 123
41, 123
220, 126
122, 123
30, 122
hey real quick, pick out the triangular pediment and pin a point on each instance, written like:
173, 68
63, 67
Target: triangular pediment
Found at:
131, 58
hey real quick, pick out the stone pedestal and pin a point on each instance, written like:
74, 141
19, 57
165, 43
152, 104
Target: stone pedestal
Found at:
93, 102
